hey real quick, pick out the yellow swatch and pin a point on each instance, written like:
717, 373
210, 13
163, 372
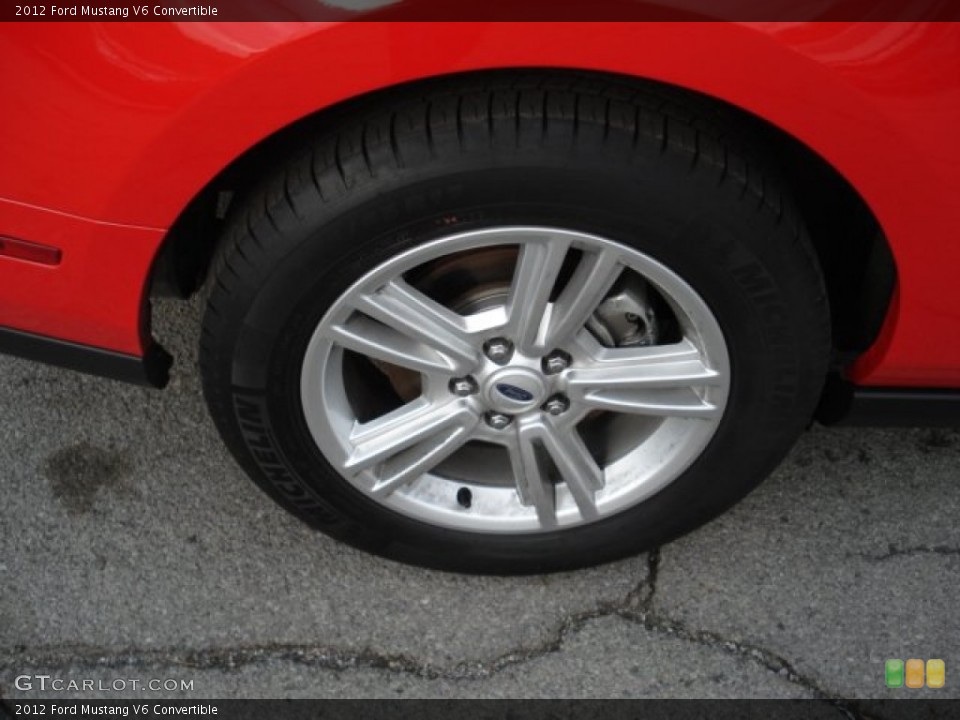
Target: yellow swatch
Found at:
936, 673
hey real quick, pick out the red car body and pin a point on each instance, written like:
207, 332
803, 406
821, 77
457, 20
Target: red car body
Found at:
110, 131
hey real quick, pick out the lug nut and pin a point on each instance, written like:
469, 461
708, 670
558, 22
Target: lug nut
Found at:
463, 386
500, 350
557, 404
498, 421
556, 362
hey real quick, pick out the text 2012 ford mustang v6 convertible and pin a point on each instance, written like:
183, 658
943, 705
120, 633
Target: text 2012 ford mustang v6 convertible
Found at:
496, 297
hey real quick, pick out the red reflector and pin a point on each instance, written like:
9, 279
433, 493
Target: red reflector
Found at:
32, 252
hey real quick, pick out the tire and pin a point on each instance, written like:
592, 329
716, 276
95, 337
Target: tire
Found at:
652, 176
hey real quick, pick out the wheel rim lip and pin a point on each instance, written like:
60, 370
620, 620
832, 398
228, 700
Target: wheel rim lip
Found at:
431, 498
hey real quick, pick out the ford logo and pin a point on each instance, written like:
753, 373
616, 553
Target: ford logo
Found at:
514, 393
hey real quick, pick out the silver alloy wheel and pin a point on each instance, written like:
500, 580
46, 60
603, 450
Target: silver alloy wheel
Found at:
660, 404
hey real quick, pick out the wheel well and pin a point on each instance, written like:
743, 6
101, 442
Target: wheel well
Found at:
857, 263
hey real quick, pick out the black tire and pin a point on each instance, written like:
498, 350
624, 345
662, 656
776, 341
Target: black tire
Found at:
651, 168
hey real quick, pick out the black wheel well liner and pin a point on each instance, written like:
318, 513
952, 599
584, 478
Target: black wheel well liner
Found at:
853, 252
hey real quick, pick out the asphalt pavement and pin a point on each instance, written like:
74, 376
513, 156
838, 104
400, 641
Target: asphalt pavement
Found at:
132, 547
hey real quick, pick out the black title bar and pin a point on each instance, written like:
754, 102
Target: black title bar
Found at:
482, 10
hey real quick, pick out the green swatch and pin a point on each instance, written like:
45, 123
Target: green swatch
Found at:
894, 673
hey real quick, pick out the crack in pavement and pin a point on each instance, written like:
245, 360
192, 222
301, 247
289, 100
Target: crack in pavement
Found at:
635, 607
893, 551
331, 658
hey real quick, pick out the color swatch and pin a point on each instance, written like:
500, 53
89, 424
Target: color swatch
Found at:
897, 673
936, 673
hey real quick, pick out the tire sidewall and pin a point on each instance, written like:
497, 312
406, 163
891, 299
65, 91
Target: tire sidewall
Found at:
729, 250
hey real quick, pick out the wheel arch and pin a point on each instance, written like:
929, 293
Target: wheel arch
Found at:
857, 261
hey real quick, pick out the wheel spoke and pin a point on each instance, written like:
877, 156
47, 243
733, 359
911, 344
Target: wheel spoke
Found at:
533, 485
410, 330
576, 466
538, 267
660, 380
379, 342
405, 443
572, 460
594, 276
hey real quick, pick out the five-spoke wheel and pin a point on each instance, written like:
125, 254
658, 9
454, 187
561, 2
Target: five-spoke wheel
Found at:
515, 323
545, 422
